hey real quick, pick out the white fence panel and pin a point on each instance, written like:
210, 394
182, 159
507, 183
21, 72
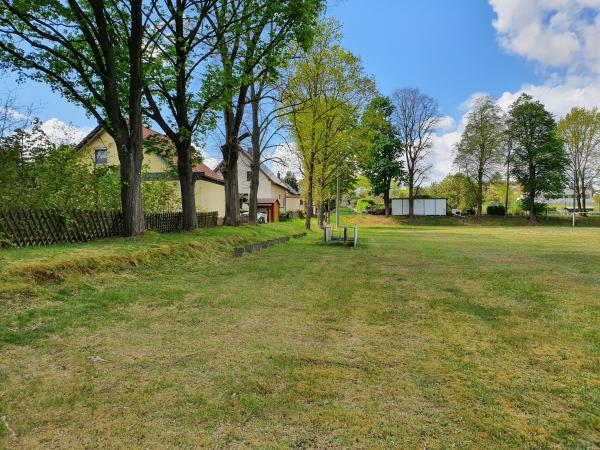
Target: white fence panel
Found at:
422, 207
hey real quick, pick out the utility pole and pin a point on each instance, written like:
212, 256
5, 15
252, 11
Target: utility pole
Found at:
337, 201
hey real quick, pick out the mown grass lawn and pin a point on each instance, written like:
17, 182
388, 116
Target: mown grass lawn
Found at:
423, 337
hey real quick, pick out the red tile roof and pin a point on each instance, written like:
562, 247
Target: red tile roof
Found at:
204, 169
146, 132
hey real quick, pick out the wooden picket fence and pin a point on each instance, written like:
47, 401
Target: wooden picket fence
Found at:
32, 227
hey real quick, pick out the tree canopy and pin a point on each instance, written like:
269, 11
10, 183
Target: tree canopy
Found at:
539, 159
479, 151
380, 158
580, 132
325, 92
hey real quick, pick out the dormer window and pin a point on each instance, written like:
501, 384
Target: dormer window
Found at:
101, 157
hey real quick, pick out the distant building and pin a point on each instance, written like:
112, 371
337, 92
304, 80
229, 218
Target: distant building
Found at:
566, 200
273, 193
421, 206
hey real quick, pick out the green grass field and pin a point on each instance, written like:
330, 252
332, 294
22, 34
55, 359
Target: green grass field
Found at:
426, 336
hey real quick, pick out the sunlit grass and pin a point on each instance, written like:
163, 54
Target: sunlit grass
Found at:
423, 337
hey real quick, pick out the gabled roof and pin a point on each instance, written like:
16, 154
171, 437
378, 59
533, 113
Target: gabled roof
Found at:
200, 170
266, 201
89, 137
270, 175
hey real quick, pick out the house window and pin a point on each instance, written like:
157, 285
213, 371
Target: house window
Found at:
301, 202
101, 157
248, 176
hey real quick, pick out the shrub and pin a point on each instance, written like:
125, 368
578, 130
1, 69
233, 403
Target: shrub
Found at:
539, 208
364, 203
496, 210
375, 210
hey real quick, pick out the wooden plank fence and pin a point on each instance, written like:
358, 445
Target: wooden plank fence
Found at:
32, 227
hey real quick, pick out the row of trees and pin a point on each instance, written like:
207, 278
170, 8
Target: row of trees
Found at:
184, 64
324, 95
533, 149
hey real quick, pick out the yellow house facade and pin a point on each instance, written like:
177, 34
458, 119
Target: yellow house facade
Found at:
99, 149
294, 202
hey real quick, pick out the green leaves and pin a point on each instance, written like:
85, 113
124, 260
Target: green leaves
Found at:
539, 159
326, 91
380, 156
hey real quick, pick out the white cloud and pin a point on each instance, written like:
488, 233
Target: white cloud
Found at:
12, 114
61, 133
445, 123
563, 37
555, 33
286, 159
442, 154
211, 161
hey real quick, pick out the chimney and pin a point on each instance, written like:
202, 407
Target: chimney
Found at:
279, 175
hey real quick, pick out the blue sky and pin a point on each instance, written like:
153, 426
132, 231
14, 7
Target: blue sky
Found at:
451, 50
448, 49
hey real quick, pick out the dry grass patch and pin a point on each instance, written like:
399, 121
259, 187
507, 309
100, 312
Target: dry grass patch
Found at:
424, 337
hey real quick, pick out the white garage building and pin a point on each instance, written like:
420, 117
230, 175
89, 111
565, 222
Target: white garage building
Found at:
421, 206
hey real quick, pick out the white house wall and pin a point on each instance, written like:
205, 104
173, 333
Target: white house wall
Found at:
264, 184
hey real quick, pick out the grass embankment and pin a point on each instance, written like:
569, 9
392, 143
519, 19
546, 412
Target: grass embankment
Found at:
57, 261
428, 337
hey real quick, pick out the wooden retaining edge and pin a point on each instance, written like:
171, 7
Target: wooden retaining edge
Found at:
238, 252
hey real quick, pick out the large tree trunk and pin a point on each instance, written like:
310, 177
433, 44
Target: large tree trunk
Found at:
131, 187
386, 197
479, 198
131, 157
532, 216
256, 154
185, 170
582, 206
411, 200
230, 153
321, 215
253, 200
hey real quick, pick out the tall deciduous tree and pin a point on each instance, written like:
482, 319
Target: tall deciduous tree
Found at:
479, 150
380, 159
177, 97
325, 92
263, 31
265, 124
539, 159
90, 52
415, 117
291, 180
580, 132
457, 189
